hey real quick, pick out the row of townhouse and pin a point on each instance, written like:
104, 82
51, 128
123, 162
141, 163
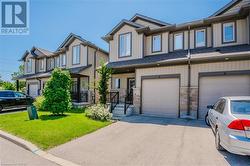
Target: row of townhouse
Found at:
76, 54
174, 70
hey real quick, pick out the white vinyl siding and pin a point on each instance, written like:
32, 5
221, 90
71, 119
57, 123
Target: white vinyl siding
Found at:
178, 41
200, 38
228, 32
76, 55
156, 43
125, 45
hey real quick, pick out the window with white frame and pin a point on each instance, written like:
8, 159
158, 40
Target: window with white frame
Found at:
178, 41
41, 64
63, 60
156, 43
76, 55
200, 38
228, 32
57, 59
29, 66
51, 63
117, 83
125, 45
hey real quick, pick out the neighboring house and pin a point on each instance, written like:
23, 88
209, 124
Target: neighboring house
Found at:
79, 56
176, 70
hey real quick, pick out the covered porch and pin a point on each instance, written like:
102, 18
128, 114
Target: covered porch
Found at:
80, 91
121, 91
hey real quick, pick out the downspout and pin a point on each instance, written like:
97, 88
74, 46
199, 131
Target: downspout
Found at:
189, 75
95, 74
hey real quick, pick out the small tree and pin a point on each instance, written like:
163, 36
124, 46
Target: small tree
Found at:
22, 85
8, 86
57, 92
104, 75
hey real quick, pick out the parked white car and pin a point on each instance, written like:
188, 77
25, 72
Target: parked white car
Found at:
230, 121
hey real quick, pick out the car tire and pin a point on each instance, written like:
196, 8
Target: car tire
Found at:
1, 108
207, 120
217, 141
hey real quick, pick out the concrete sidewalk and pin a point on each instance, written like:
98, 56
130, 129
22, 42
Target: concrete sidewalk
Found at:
11, 154
140, 140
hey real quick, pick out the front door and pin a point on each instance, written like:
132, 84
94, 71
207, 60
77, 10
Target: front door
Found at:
131, 85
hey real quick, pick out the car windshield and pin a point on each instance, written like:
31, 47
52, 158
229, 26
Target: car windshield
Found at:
240, 107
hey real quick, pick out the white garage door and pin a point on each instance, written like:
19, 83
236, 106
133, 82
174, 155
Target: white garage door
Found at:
212, 88
160, 97
33, 90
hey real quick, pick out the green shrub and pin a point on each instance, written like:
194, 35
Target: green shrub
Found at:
8, 86
104, 74
57, 92
39, 103
98, 112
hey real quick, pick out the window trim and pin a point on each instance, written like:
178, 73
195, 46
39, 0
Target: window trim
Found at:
152, 43
61, 60
57, 59
177, 33
41, 60
130, 54
27, 66
234, 32
79, 54
205, 37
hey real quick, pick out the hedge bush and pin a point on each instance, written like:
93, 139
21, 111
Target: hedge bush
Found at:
98, 112
39, 103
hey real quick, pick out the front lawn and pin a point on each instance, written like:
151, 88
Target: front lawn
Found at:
49, 131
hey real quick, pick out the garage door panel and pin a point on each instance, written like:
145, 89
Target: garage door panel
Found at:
33, 90
160, 97
214, 87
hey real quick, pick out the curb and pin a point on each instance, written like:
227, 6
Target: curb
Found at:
34, 149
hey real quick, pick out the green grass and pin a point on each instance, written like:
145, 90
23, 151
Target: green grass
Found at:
49, 131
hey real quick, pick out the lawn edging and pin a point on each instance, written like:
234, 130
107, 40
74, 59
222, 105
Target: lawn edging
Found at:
34, 149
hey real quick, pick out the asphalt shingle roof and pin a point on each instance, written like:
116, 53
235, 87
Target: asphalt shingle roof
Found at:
152, 59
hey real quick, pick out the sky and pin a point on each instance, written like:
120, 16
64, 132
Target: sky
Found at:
52, 20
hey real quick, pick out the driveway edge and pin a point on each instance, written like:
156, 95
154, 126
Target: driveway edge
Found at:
34, 149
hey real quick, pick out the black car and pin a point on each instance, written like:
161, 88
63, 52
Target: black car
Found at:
11, 99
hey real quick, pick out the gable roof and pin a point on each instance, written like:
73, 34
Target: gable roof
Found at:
148, 19
24, 55
226, 7
121, 24
73, 36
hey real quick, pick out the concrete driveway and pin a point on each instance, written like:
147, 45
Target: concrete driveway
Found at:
140, 140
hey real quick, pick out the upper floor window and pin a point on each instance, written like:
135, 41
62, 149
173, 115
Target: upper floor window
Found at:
178, 41
57, 61
41, 64
200, 38
228, 32
63, 60
156, 43
51, 63
29, 66
125, 45
76, 55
